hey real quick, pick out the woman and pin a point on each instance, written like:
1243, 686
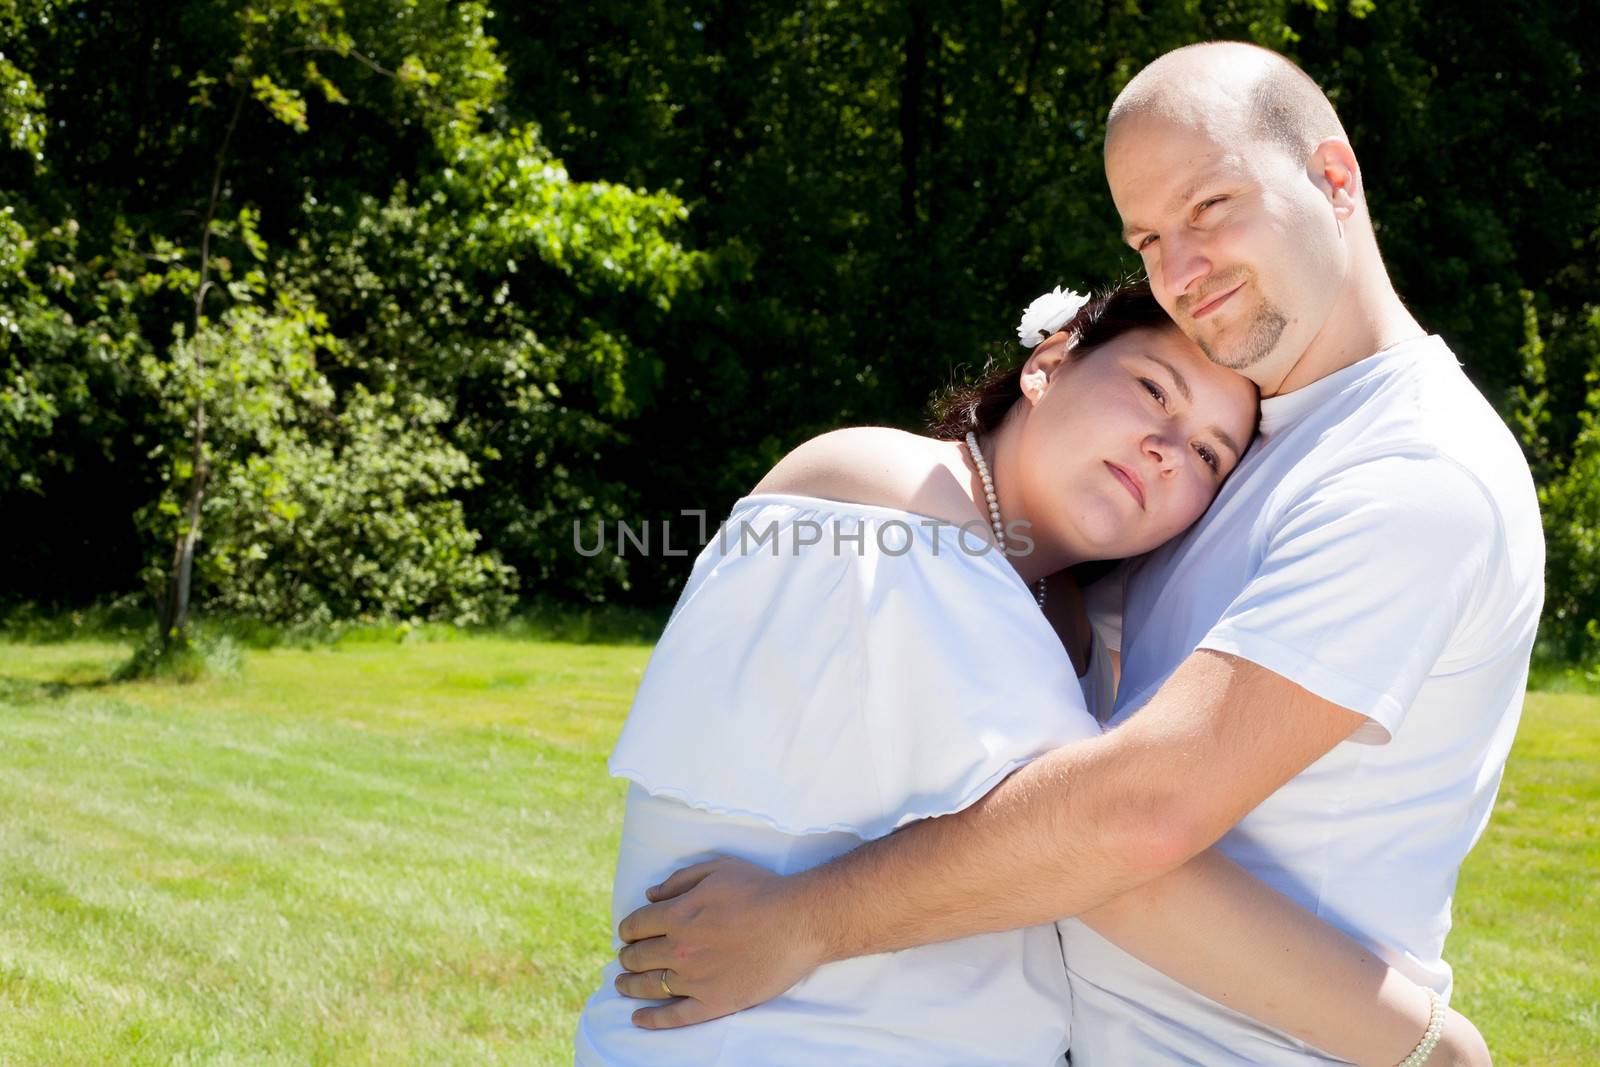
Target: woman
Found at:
843, 661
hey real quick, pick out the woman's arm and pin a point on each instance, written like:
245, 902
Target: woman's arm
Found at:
1218, 930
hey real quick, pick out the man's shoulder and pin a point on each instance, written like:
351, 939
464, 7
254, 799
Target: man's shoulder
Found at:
876, 465
1446, 452
1431, 406
1403, 434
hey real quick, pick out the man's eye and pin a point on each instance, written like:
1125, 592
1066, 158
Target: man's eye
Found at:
1211, 458
1154, 390
1145, 242
1207, 203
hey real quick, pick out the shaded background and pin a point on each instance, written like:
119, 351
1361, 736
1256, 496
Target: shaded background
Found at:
473, 272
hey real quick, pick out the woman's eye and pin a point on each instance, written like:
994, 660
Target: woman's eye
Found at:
1207, 203
1212, 459
1154, 390
1146, 241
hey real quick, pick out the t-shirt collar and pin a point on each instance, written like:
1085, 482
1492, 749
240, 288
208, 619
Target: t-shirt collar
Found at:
1280, 412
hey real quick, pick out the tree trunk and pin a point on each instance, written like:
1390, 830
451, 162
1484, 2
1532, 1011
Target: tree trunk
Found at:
175, 605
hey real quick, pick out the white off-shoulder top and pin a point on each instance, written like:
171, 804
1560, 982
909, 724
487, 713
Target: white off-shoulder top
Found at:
833, 671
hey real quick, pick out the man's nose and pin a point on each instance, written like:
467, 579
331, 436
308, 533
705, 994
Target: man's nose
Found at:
1183, 263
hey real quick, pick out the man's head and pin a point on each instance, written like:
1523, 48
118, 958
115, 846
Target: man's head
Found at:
1240, 192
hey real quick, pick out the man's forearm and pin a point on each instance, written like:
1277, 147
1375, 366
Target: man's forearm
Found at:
1083, 823
1059, 836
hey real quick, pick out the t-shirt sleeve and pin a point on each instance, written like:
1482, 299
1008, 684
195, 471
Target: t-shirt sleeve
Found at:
1364, 582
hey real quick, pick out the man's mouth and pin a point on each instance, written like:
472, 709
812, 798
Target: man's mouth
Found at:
1215, 302
1129, 480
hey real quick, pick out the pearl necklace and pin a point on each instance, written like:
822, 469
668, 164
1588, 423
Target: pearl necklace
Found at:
994, 505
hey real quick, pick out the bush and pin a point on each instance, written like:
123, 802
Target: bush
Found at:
204, 655
1566, 465
1571, 507
317, 507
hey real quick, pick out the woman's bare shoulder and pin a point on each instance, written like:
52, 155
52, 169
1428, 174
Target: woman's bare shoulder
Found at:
876, 465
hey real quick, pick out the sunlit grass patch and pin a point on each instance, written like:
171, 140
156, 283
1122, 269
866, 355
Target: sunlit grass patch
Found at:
399, 850
356, 854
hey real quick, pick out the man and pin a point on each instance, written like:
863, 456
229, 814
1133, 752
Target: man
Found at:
1327, 670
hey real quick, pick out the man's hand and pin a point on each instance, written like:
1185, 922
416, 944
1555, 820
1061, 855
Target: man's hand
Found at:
725, 935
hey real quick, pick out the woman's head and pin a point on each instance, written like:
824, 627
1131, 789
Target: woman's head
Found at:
1116, 432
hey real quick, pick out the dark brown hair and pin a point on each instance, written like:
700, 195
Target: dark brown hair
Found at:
982, 405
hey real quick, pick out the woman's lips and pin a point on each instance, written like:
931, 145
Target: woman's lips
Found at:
1129, 480
1212, 305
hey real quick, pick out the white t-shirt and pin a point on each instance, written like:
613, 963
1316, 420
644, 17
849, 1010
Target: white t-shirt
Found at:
1380, 545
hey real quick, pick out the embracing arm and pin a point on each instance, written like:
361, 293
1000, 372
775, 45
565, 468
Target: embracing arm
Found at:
1215, 928
1060, 836
1072, 829
1063, 836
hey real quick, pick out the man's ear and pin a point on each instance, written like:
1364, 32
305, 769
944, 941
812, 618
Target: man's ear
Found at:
1047, 358
1333, 169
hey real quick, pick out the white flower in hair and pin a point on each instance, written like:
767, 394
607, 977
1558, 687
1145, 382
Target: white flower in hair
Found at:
1048, 314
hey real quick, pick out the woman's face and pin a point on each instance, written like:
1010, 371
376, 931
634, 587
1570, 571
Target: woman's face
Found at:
1125, 446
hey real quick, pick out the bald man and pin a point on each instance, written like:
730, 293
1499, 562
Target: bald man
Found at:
1321, 679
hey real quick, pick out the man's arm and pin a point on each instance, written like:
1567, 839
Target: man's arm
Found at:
1060, 836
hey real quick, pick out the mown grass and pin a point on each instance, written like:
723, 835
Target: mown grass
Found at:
1526, 943
360, 854
370, 851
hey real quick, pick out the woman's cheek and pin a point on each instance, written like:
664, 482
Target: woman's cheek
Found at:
1198, 498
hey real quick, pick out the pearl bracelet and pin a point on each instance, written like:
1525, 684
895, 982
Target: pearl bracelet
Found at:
1424, 1049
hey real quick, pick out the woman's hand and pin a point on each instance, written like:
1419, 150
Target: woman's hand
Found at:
725, 935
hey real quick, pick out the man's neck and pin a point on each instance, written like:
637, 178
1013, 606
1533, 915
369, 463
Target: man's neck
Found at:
1366, 320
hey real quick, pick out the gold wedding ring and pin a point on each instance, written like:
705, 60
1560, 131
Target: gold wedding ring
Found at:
665, 988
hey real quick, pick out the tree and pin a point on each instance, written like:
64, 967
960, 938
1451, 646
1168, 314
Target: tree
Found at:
206, 164
637, 251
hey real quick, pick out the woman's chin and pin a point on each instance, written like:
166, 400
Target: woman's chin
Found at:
1103, 534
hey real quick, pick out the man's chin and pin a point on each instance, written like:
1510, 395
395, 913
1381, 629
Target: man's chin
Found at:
1236, 357
1261, 339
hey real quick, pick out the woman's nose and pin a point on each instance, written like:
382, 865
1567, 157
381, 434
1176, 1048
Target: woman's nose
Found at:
1167, 454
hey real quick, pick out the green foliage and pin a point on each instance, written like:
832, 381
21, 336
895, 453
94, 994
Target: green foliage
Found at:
502, 285
597, 262
316, 510
1570, 501
22, 120
329, 274
206, 656
20, 105
108, 621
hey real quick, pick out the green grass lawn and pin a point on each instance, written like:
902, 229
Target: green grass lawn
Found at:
382, 853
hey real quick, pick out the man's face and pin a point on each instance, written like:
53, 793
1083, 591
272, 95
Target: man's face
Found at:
1241, 246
